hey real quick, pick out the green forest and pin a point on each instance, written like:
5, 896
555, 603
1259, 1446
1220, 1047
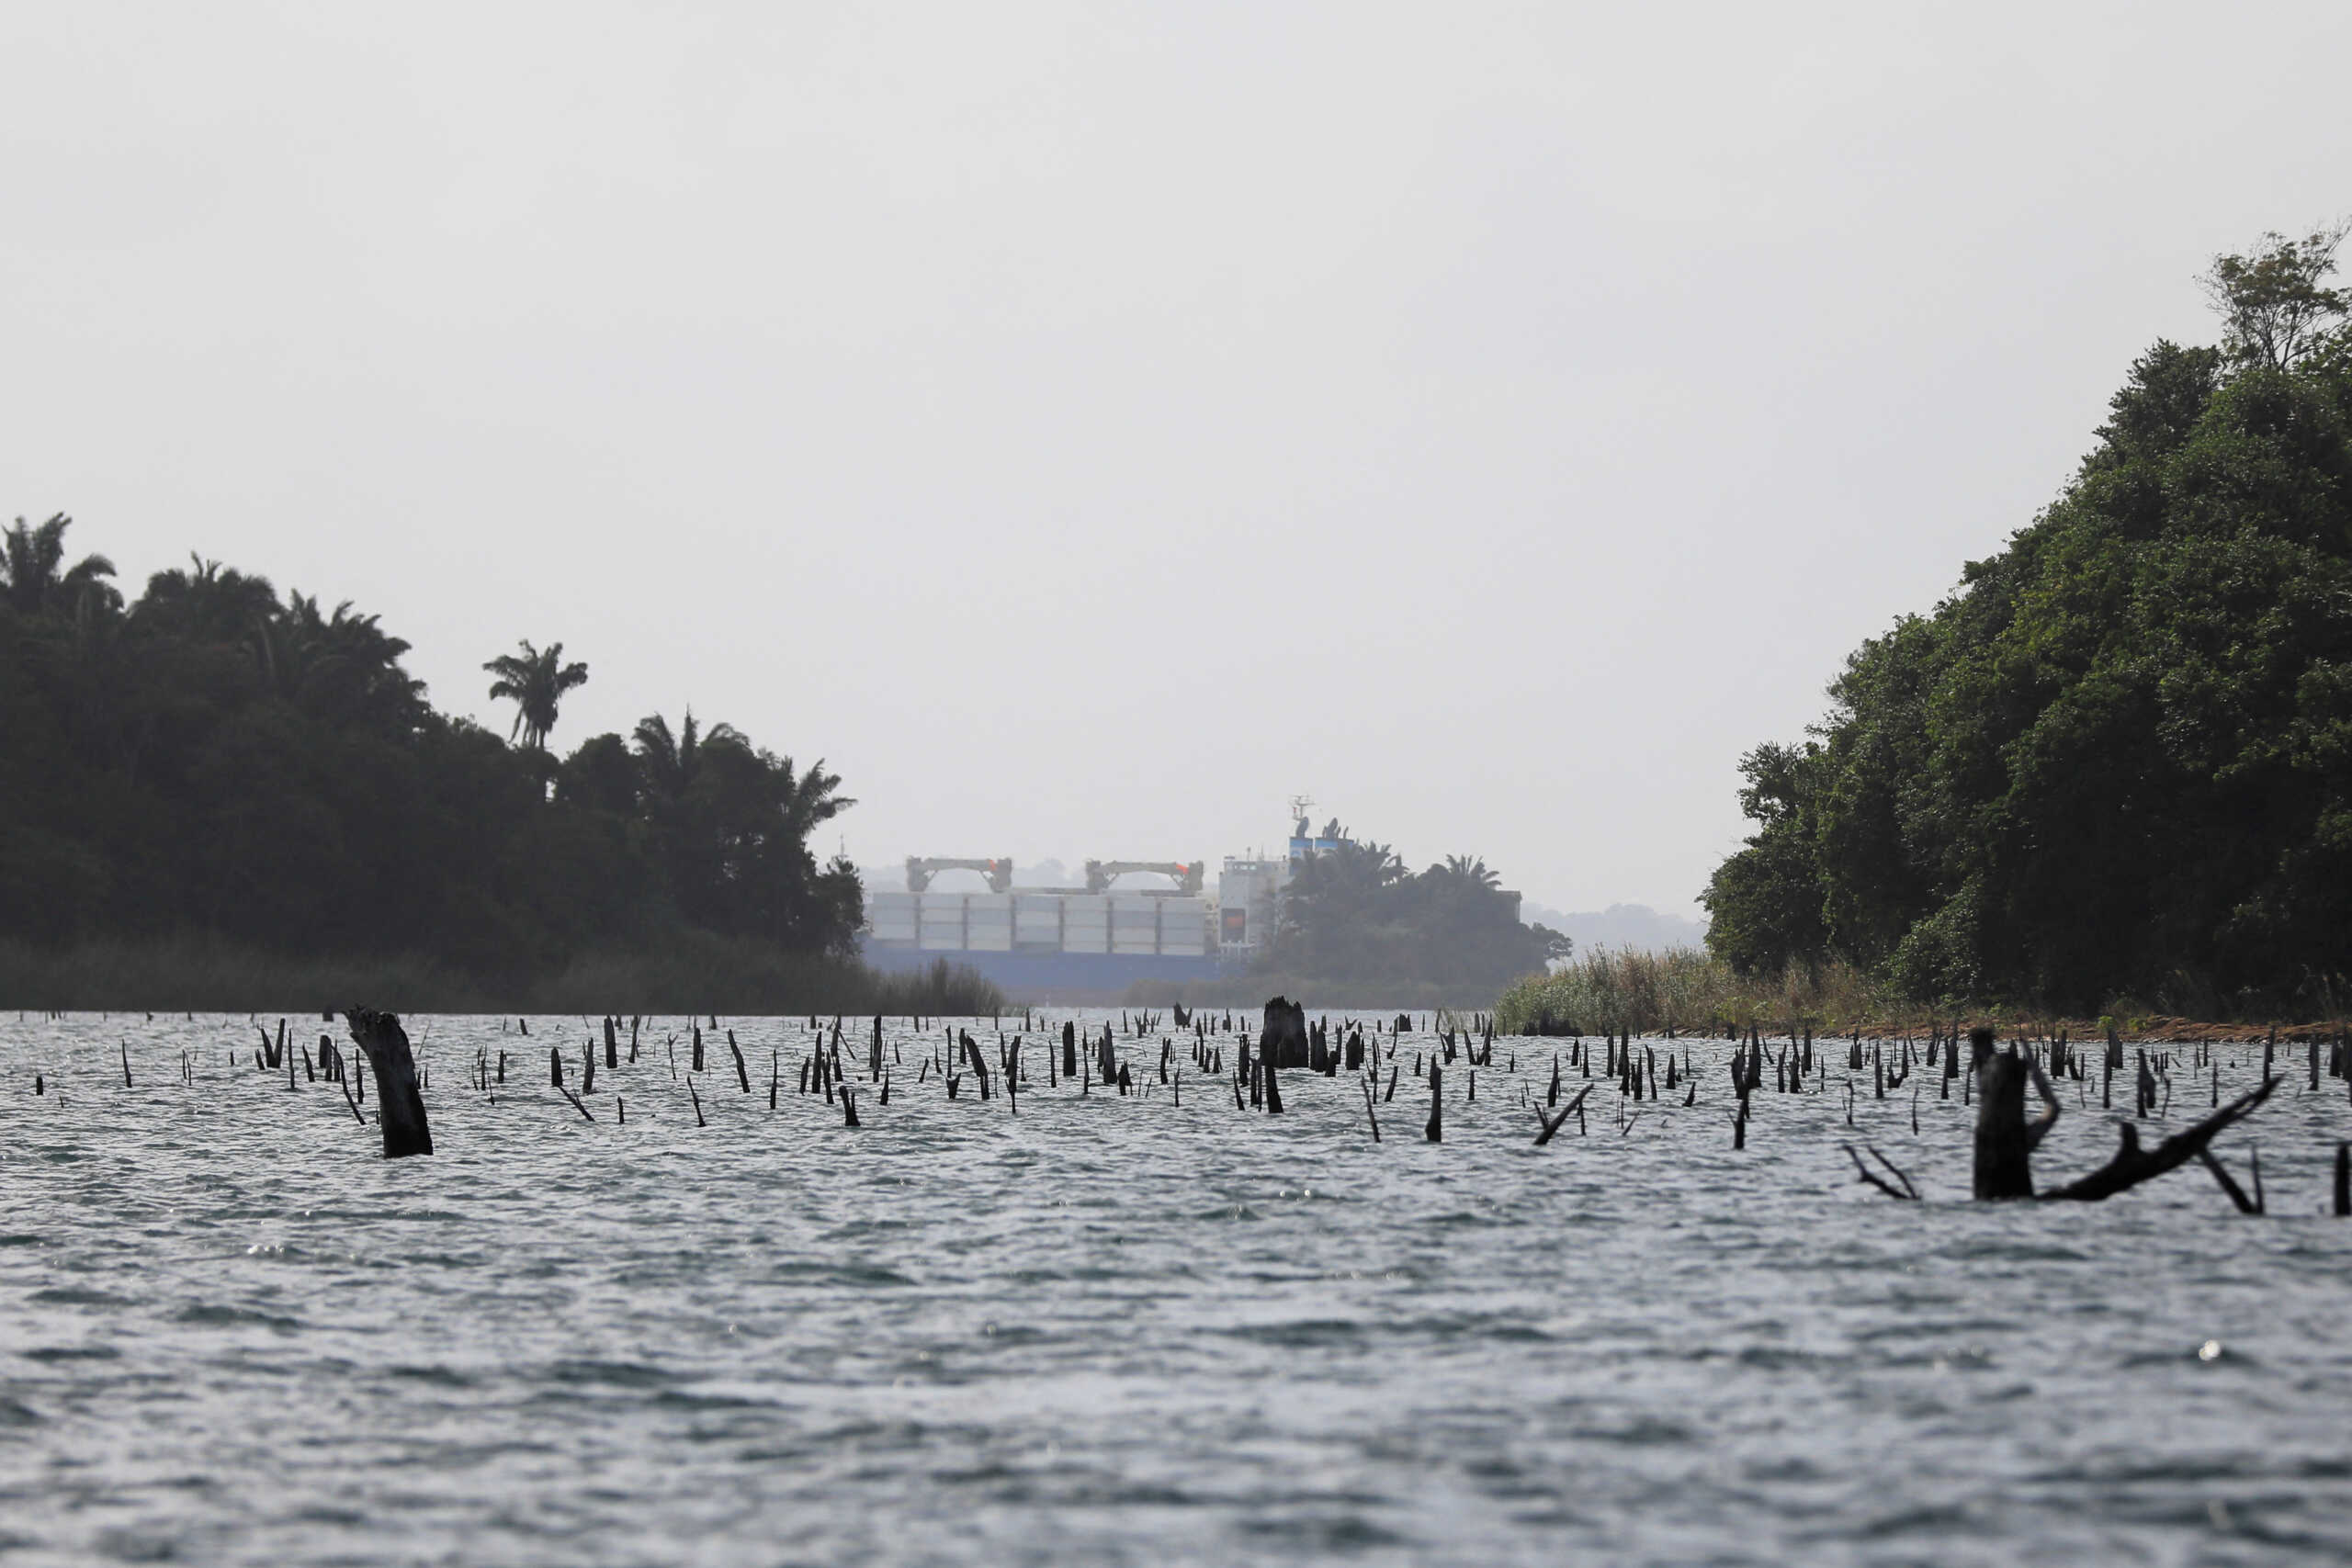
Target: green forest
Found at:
216, 760
2117, 760
1356, 919
221, 764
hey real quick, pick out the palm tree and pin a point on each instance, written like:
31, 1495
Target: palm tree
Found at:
672, 762
535, 682
1472, 872
345, 663
808, 801
31, 565
207, 603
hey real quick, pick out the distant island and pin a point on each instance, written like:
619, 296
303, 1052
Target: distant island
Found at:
1635, 926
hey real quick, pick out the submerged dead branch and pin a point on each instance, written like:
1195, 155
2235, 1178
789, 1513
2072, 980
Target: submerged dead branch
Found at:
2133, 1164
1909, 1194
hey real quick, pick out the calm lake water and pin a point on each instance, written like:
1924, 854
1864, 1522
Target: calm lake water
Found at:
1112, 1330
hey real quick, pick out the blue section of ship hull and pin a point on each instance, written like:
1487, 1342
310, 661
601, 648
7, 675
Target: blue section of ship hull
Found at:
1036, 975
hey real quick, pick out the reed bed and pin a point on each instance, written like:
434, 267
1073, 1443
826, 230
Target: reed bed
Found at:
1687, 991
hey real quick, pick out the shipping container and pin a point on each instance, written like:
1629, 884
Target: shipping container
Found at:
892, 915
1129, 923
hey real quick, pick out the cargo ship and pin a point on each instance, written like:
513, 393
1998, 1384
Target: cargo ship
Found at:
1089, 942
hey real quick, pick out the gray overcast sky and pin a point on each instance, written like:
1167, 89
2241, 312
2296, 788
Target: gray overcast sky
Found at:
1088, 424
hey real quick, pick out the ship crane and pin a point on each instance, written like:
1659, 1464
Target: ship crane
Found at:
1188, 873
921, 869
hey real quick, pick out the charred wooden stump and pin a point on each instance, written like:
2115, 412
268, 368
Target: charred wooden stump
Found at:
1282, 1043
400, 1105
2004, 1141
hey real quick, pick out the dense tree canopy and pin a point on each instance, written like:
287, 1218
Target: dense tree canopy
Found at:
1355, 914
2119, 758
214, 757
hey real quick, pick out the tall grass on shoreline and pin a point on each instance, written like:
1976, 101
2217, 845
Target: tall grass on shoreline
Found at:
695, 974
1689, 991
1680, 989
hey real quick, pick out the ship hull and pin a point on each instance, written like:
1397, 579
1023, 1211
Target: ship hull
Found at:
1046, 976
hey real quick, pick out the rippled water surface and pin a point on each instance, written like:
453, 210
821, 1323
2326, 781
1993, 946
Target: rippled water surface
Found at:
1127, 1330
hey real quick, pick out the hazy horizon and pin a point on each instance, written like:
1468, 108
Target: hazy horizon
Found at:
1087, 427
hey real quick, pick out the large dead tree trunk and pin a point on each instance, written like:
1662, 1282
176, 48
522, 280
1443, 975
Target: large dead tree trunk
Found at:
2006, 1141
1282, 1043
399, 1106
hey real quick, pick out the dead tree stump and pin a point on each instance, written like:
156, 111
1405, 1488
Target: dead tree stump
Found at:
2004, 1148
399, 1106
2006, 1141
1283, 1041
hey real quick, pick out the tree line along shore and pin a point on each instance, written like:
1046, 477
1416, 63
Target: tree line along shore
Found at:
2112, 772
2108, 777
222, 797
